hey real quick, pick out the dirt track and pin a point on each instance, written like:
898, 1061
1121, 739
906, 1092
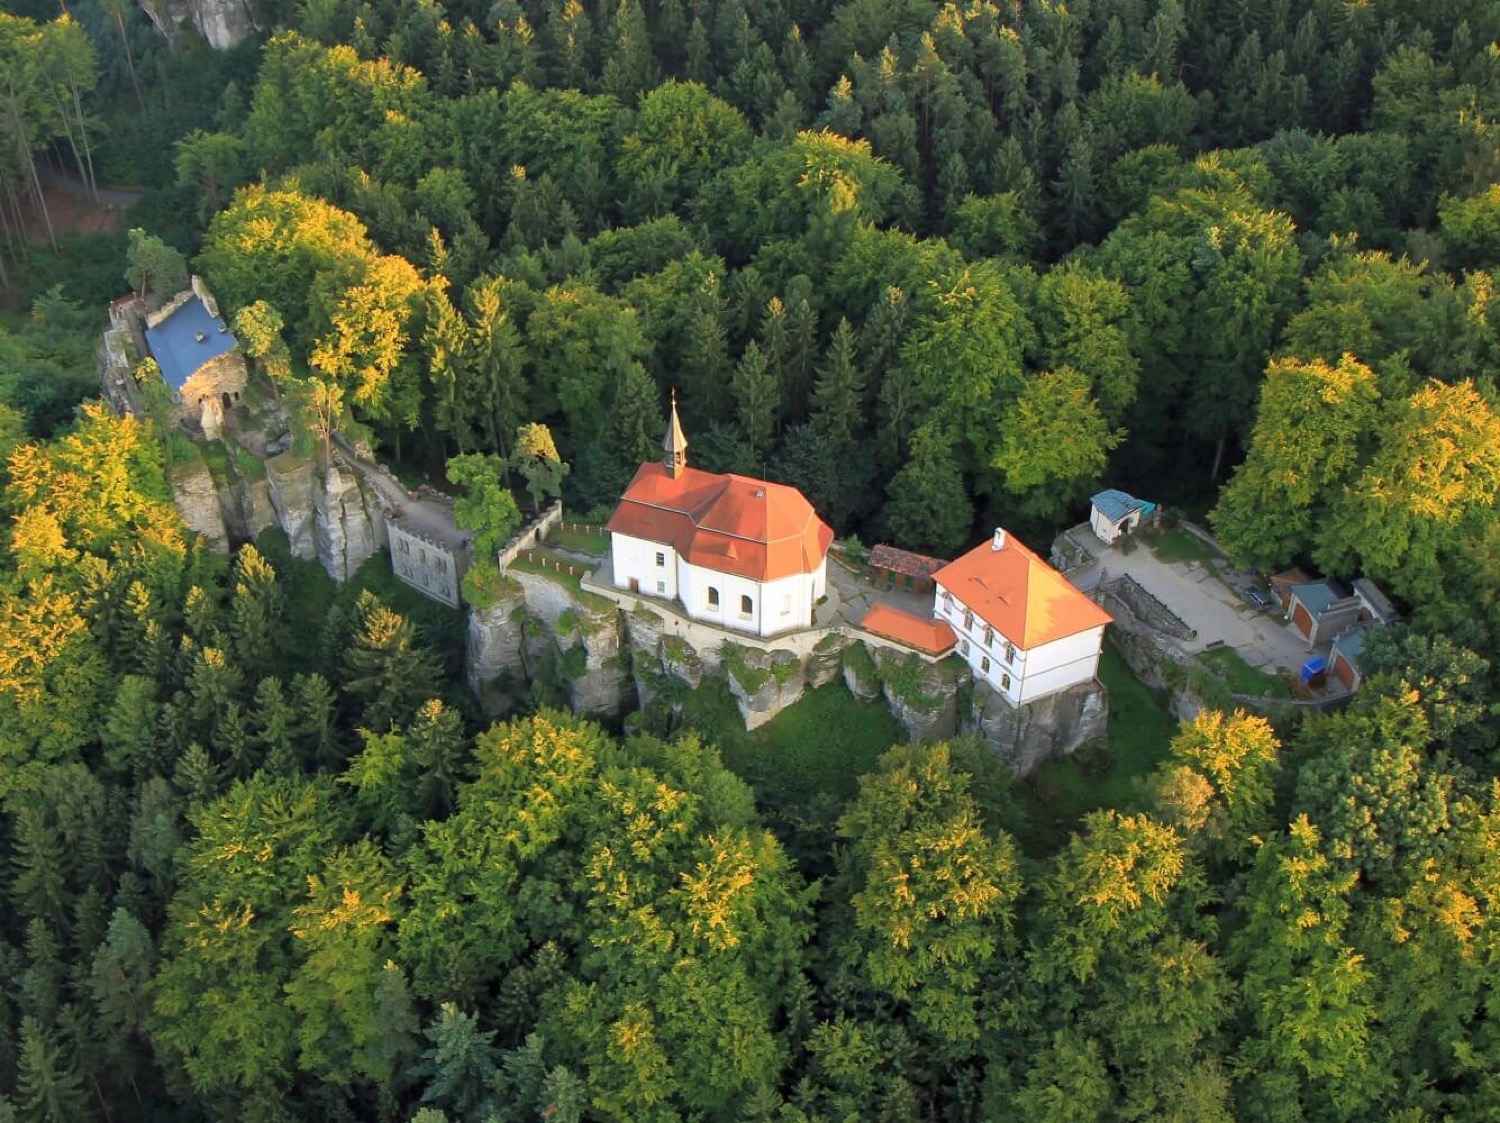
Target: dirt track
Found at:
73, 212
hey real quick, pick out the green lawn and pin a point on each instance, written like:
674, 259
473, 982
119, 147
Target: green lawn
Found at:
1177, 545
808, 759
569, 581
1062, 791
593, 543
1242, 677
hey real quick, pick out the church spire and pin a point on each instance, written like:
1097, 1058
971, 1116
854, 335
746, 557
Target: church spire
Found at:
674, 444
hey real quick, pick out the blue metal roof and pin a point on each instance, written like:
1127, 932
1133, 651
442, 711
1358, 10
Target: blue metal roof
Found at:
1316, 596
1115, 505
176, 347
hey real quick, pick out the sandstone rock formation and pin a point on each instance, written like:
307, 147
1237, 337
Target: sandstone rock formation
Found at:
1027, 735
347, 523
222, 23
197, 498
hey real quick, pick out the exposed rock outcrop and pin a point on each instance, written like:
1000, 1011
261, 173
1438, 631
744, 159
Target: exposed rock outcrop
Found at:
922, 696
289, 480
860, 674
222, 23
197, 498
586, 640
496, 671
347, 523
826, 662
247, 509
1027, 735
763, 682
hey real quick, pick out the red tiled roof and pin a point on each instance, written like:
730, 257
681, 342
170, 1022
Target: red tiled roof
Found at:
732, 524
904, 561
1019, 595
923, 633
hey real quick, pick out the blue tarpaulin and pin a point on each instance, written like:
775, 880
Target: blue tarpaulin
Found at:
1315, 666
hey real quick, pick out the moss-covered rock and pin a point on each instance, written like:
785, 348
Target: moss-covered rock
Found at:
826, 662
860, 675
763, 682
922, 696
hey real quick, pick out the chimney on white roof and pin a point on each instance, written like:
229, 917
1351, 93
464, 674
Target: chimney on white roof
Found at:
999, 540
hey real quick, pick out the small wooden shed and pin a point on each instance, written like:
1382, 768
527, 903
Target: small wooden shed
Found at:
895, 568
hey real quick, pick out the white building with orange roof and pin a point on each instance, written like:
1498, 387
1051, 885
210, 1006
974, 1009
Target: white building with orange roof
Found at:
739, 553
1019, 624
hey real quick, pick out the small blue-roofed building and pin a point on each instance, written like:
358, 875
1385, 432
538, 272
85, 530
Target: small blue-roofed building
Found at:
1345, 657
199, 357
1320, 610
1115, 513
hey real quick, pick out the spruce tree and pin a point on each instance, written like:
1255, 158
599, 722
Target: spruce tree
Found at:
49, 1087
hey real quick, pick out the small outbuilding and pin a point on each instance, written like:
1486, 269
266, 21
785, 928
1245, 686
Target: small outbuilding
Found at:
1345, 658
1320, 610
903, 569
1283, 583
1115, 512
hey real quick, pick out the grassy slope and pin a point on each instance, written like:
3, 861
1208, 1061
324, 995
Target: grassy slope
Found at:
809, 758
1061, 791
1242, 677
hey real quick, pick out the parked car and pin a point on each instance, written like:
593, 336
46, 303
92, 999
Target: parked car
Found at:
1258, 599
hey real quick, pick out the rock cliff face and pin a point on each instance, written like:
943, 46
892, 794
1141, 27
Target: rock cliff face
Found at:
197, 498
577, 642
605, 660
1052, 726
763, 682
289, 480
222, 23
496, 671
922, 696
348, 526
246, 506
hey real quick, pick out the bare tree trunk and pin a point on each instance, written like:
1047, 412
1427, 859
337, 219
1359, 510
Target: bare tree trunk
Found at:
83, 130
129, 57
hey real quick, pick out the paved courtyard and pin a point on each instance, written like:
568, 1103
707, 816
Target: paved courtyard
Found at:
1205, 603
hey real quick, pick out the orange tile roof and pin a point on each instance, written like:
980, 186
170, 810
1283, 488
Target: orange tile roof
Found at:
732, 524
1019, 595
925, 634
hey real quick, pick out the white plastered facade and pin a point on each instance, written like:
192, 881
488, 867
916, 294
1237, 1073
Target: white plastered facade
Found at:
1018, 675
726, 600
1107, 530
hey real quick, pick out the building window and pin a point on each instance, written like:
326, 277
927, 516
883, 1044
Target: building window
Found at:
713, 597
947, 601
968, 621
661, 560
1005, 682
984, 665
1010, 653
442, 566
989, 637
661, 586
963, 647
746, 606
422, 556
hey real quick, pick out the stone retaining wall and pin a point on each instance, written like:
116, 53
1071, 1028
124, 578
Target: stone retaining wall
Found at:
530, 536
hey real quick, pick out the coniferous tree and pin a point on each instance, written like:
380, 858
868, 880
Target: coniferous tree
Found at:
48, 1085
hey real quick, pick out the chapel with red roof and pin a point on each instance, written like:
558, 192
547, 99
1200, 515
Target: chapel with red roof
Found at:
736, 552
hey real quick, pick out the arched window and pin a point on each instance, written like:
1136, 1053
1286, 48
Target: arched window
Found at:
1005, 682
747, 607
713, 597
